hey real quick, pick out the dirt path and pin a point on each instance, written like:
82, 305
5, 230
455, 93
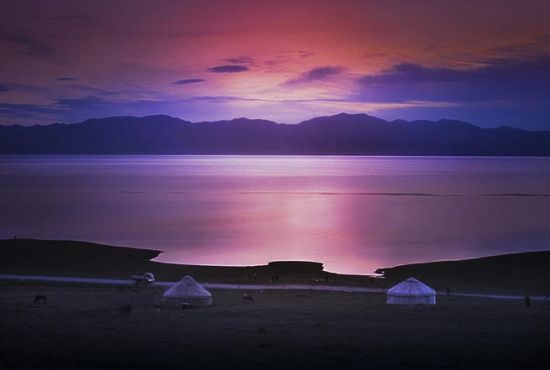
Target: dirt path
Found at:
62, 279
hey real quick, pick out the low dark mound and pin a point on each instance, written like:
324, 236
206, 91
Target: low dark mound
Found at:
528, 271
75, 258
34, 256
296, 267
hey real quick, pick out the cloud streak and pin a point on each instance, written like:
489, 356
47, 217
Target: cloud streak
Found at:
27, 44
316, 74
74, 19
500, 79
239, 60
189, 81
16, 110
6, 87
228, 68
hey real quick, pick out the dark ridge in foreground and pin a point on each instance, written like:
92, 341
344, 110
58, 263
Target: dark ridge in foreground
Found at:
341, 134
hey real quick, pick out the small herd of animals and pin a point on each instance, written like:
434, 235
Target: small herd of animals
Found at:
127, 307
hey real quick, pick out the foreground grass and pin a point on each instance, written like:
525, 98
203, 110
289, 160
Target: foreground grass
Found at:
84, 328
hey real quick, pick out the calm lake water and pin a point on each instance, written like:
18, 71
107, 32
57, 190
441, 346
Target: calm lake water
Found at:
354, 214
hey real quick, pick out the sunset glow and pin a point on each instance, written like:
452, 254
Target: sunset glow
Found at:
286, 61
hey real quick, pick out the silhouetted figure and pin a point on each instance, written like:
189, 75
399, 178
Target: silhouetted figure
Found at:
527, 301
41, 298
326, 277
448, 291
371, 280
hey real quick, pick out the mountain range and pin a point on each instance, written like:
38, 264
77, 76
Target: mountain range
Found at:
341, 134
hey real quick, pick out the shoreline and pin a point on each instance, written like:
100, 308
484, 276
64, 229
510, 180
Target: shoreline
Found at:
518, 273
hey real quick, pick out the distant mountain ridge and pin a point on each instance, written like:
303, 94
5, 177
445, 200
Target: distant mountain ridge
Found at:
341, 134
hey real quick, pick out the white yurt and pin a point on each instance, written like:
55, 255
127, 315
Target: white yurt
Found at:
411, 291
187, 290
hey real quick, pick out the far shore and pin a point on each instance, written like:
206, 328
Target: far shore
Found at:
521, 273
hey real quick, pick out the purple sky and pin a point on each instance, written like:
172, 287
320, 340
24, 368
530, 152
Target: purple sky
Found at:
487, 62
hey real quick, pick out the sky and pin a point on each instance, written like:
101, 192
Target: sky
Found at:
485, 62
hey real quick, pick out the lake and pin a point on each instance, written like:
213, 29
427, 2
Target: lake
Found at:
354, 214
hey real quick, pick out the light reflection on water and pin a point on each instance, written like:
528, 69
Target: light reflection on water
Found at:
354, 214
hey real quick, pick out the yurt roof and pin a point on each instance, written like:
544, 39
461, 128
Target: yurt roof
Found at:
411, 287
187, 287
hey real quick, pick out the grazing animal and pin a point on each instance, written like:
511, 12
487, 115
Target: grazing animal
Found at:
126, 308
40, 298
248, 297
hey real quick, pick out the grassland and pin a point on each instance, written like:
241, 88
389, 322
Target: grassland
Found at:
86, 328
102, 327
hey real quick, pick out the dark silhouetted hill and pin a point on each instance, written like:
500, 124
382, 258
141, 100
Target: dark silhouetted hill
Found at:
528, 271
341, 134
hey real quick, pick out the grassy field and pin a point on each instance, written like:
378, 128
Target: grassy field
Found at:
85, 328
